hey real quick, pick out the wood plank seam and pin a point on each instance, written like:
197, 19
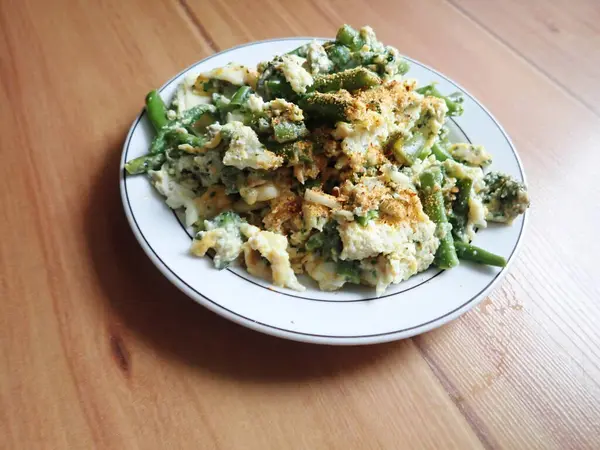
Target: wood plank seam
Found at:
203, 32
470, 416
513, 49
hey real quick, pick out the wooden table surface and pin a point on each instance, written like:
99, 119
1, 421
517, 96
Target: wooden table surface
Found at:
98, 350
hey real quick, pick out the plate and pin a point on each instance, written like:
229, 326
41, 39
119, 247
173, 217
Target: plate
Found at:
353, 315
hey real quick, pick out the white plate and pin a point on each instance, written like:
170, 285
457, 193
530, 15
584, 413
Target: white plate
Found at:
348, 317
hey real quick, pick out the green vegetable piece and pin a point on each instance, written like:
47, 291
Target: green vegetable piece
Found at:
406, 152
232, 178
221, 103
339, 55
453, 101
289, 131
316, 241
349, 37
364, 220
227, 218
293, 152
403, 67
241, 96
192, 115
350, 270
478, 255
144, 163
460, 209
332, 243
433, 205
330, 107
198, 118
350, 79
504, 197
159, 142
157, 111
278, 88
177, 137
440, 153
299, 51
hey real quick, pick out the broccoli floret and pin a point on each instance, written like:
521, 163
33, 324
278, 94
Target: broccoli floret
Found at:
223, 235
232, 178
504, 197
350, 270
327, 242
225, 219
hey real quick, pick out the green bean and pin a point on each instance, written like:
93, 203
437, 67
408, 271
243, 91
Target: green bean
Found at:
144, 163
157, 111
407, 152
177, 138
351, 80
328, 106
349, 37
478, 255
241, 95
460, 209
289, 131
433, 205
278, 88
364, 220
194, 114
453, 101
440, 153
159, 142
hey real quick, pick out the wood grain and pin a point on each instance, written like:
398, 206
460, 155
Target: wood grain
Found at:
98, 350
561, 39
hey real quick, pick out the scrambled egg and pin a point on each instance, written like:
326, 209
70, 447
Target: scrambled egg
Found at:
245, 150
272, 247
235, 74
294, 72
226, 240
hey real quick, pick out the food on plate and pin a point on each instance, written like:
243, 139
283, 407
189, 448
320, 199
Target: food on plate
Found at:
327, 161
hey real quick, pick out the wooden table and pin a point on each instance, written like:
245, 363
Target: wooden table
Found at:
98, 350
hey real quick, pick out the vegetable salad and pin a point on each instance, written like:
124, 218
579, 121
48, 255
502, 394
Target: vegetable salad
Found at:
327, 161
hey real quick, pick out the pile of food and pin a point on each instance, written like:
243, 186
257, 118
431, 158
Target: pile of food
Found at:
326, 161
